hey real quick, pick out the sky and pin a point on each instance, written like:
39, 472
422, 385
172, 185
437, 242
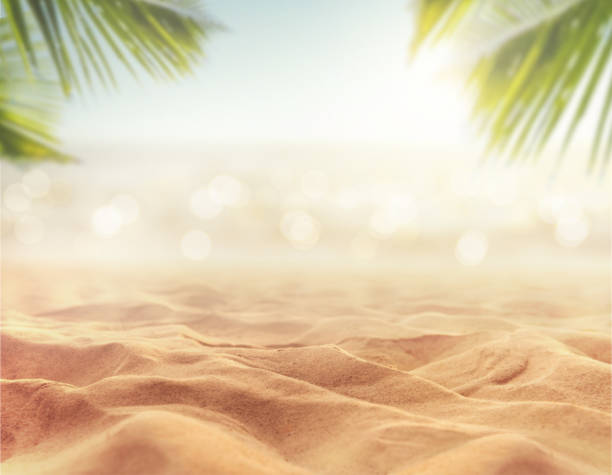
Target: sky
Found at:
306, 126
290, 71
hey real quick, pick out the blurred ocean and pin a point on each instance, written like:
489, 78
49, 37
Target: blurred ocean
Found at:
335, 202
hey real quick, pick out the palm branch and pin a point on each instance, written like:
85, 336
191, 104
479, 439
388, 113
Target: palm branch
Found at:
544, 64
27, 106
84, 41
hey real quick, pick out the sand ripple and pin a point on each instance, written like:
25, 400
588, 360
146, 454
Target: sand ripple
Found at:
304, 373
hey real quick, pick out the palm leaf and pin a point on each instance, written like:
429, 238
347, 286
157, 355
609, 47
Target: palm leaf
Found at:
163, 37
544, 63
80, 40
27, 113
28, 106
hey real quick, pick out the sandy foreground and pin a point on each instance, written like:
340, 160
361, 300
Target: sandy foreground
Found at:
319, 371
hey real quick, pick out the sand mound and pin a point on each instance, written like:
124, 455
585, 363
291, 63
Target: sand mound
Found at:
278, 373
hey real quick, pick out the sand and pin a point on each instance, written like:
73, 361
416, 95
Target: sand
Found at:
343, 372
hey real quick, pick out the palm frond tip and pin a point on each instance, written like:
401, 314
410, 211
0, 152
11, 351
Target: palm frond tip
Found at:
545, 63
74, 42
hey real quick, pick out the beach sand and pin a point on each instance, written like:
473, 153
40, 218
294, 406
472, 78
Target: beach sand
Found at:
438, 371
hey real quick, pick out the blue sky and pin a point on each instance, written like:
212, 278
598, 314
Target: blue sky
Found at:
290, 71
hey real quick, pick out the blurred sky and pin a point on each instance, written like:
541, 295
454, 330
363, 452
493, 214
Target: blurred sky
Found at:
306, 131
291, 71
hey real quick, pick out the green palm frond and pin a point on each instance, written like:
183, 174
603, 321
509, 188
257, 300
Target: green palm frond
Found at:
544, 65
27, 113
28, 106
73, 43
83, 37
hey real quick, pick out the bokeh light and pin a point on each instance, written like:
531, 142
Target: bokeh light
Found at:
316, 202
300, 229
572, 226
571, 231
226, 190
196, 245
569, 210
471, 248
203, 206
384, 222
16, 199
36, 183
398, 211
549, 208
106, 221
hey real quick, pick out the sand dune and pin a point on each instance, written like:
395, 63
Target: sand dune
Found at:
315, 372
